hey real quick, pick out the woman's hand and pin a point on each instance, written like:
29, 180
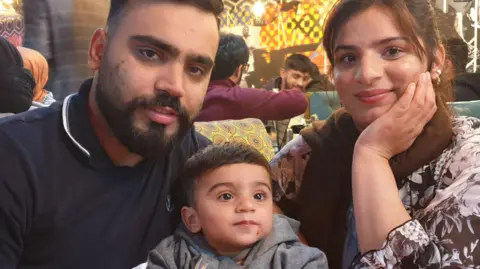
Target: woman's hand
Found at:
396, 130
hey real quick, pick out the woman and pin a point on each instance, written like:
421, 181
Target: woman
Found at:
16, 83
38, 65
395, 152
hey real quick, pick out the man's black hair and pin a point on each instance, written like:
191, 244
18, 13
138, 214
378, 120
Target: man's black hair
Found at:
298, 62
232, 52
117, 8
214, 157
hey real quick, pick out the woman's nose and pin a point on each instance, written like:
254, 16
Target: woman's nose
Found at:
368, 70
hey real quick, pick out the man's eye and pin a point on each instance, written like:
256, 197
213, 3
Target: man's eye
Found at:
259, 196
149, 54
226, 197
196, 71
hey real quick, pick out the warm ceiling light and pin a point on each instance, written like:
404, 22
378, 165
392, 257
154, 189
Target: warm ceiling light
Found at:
258, 9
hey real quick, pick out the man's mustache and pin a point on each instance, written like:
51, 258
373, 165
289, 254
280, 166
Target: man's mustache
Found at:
161, 99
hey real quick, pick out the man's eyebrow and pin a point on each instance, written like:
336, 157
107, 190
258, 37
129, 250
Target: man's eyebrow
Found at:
172, 50
156, 43
201, 59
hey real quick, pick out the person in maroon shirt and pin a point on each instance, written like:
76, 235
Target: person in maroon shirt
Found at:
298, 71
226, 100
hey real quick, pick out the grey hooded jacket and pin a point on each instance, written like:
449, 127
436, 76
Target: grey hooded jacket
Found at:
281, 249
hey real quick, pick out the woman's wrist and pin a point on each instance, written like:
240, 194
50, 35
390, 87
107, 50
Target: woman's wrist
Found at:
368, 153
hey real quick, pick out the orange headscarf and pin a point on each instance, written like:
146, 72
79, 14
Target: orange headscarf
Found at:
38, 65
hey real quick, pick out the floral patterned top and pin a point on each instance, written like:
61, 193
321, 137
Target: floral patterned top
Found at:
442, 197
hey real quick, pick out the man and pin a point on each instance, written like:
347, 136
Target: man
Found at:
61, 31
319, 82
297, 71
226, 100
87, 184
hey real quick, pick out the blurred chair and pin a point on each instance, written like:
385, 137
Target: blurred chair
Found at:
323, 104
469, 108
249, 131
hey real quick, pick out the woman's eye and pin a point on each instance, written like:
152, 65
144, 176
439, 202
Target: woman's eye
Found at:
226, 197
259, 196
393, 52
347, 59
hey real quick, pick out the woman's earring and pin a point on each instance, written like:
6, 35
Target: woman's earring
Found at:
438, 79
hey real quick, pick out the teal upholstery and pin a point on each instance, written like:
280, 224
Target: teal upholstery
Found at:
324, 103
470, 108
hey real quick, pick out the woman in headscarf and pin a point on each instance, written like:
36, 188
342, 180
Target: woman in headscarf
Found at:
16, 83
38, 65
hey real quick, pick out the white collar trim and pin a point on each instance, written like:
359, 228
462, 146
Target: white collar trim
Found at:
66, 124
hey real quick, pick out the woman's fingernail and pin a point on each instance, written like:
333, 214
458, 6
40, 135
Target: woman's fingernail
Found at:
411, 87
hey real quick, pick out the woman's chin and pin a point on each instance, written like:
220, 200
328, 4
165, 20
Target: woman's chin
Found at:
366, 118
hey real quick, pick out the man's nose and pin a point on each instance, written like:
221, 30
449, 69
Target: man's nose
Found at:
172, 79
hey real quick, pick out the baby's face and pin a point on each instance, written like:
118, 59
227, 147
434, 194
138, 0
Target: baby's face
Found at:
234, 206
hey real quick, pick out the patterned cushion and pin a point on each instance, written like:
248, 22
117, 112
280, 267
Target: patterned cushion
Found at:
12, 27
250, 131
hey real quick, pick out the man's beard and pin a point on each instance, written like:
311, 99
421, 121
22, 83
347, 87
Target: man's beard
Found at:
288, 85
151, 143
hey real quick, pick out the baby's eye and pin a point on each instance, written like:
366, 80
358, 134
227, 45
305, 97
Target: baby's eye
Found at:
226, 197
259, 196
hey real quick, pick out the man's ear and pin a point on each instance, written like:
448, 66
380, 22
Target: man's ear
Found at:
438, 62
191, 220
283, 73
238, 71
96, 50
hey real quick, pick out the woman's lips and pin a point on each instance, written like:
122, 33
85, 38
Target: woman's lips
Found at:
372, 96
163, 115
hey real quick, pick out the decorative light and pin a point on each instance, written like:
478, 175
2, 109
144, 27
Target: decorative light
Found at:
6, 6
258, 9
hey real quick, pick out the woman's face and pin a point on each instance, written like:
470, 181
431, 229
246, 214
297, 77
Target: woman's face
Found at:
374, 63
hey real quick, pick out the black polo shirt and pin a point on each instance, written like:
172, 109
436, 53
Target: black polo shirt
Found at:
64, 205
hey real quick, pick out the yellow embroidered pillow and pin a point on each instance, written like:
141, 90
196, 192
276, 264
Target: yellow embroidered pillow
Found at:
250, 131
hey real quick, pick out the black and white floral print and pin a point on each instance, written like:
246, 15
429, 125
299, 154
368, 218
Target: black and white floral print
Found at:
443, 199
